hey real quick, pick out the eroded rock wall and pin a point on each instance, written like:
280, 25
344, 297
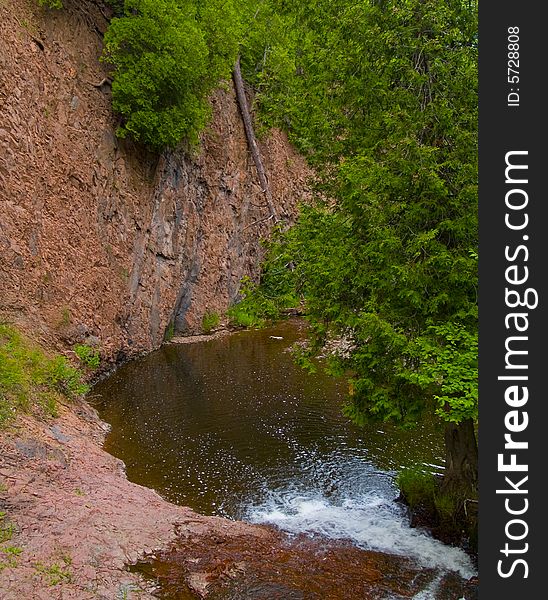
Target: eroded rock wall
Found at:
101, 242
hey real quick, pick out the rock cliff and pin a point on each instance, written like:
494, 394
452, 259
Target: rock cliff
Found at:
100, 241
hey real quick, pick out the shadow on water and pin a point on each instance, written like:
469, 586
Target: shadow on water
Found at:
233, 427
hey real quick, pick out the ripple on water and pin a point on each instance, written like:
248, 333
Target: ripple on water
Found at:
233, 427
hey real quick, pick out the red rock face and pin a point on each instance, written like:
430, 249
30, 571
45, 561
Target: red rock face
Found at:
101, 242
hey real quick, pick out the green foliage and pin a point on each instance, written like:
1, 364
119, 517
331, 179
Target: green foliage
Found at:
210, 321
89, 356
277, 290
424, 494
8, 556
28, 378
168, 55
383, 99
59, 375
56, 573
12, 550
58, 4
170, 332
7, 528
252, 308
9, 553
262, 303
245, 314
448, 362
417, 487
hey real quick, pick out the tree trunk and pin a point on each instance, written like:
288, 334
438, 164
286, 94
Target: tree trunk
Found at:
251, 139
461, 459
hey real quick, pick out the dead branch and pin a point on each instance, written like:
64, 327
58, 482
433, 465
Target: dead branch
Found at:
258, 221
251, 139
104, 81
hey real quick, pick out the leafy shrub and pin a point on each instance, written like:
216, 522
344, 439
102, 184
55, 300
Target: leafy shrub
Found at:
278, 289
168, 55
254, 308
60, 375
240, 316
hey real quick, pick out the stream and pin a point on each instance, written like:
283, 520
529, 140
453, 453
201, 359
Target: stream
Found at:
232, 427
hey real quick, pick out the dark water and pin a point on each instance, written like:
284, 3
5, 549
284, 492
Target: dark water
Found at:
233, 427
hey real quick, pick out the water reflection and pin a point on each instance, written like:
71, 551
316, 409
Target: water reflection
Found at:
220, 425
233, 427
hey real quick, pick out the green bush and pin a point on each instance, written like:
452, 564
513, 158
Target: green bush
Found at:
168, 55
240, 317
210, 321
254, 308
266, 302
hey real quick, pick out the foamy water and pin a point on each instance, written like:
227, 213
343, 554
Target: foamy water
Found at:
234, 428
371, 522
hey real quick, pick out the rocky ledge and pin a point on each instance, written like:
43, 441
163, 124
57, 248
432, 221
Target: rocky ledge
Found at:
76, 525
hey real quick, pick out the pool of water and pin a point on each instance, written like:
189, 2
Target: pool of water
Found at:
233, 427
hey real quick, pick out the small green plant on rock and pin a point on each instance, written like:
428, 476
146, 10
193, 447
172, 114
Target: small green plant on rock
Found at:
210, 321
125, 591
88, 356
48, 402
170, 332
7, 528
58, 4
417, 487
56, 573
10, 555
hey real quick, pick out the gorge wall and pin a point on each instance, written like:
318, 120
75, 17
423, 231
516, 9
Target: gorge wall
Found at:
100, 241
